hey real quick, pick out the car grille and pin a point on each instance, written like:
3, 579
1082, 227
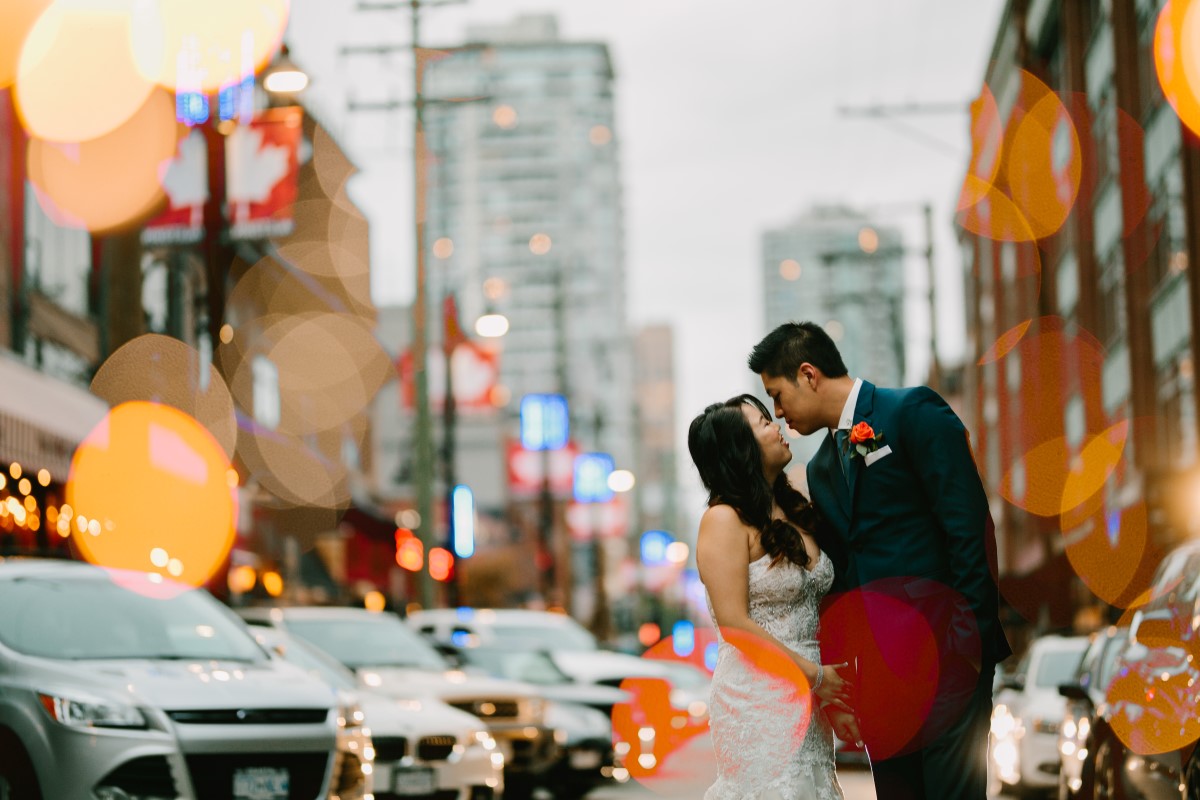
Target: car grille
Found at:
435, 748
149, 776
250, 716
212, 775
390, 748
490, 709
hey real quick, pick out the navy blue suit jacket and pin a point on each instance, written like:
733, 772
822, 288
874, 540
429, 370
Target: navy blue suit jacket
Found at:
918, 517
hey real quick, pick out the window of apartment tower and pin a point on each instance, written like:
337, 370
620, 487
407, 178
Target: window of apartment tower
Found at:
1176, 410
1112, 292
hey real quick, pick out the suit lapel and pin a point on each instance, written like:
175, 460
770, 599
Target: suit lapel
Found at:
862, 413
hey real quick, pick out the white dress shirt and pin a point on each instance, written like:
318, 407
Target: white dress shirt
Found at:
847, 420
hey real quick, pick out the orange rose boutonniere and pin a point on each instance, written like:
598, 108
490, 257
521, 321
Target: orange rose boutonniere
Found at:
862, 440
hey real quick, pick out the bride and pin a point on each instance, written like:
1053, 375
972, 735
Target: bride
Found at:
765, 577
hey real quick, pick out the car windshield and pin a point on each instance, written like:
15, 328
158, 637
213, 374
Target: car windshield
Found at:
1056, 667
520, 665
90, 617
1109, 658
317, 663
369, 642
545, 637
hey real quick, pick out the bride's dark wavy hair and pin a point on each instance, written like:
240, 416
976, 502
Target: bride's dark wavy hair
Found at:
729, 459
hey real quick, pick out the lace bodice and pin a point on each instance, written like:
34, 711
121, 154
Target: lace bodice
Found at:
768, 741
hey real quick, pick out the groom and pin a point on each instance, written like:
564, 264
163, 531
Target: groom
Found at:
909, 531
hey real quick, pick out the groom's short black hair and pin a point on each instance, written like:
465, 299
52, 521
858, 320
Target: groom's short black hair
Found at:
783, 350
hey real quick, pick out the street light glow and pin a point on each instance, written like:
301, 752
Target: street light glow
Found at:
491, 326
621, 480
286, 81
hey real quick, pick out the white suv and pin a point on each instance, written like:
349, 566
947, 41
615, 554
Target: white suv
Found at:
116, 685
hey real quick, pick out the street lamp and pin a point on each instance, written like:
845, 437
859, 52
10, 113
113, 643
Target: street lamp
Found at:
283, 77
491, 326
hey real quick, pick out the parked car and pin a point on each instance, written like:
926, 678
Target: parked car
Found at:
115, 685
391, 659
581, 714
1028, 712
1150, 707
417, 747
505, 627
1083, 727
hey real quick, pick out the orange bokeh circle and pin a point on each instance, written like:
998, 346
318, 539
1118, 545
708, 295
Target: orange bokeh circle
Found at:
1176, 58
17, 18
112, 182
77, 78
157, 483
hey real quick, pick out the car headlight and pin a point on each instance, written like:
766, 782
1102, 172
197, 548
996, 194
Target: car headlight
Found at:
479, 738
1003, 722
350, 716
91, 713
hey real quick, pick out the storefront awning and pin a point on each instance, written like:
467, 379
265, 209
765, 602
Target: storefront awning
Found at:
43, 419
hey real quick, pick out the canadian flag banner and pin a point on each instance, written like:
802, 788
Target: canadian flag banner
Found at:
526, 469
609, 519
475, 373
185, 180
262, 174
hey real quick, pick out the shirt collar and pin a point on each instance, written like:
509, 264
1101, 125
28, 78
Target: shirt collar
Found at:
847, 419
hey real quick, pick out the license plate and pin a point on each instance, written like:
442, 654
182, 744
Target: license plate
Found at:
261, 783
409, 781
585, 759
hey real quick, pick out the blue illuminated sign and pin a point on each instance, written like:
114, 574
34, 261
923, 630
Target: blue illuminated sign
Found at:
654, 547
591, 477
544, 422
710, 655
462, 521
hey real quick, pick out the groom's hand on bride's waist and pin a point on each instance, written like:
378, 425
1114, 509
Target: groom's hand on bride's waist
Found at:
833, 686
844, 723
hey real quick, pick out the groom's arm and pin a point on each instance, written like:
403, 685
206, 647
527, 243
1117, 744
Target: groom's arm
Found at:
946, 468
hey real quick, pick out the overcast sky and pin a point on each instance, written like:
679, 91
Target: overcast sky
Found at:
728, 124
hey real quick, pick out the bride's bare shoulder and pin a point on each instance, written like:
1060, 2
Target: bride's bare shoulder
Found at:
720, 515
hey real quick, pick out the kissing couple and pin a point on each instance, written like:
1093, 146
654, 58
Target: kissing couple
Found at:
869, 608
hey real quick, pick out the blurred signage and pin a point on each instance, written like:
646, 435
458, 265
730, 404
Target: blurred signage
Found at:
185, 181
654, 547
545, 424
462, 521
262, 172
526, 469
591, 477
610, 520
476, 373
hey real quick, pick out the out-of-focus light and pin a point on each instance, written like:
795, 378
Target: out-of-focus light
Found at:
621, 480
539, 244
683, 637
649, 633
3, 480
16, 19
14, 469
273, 583
43, 477
159, 557
505, 117
835, 329
868, 240
30, 503
231, 478
375, 602
491, 326
443, 248
174, 566
24, 486
654, 547
408, 518
285, 81
495, 288
410, 554
441, 563
226, 333
591, 474
545, 424
711, 650
677, 552
462, 522
789, 269
242, 579
600, 135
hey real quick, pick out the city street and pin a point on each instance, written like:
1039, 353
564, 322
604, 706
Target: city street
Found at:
690, 772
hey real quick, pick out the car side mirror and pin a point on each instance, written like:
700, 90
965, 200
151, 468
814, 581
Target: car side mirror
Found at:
1014, 682
1073, 691
450, 653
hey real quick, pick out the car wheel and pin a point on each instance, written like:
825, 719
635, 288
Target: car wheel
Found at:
17, 778
1106, 776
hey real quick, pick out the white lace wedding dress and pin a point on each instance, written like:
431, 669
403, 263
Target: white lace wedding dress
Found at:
768, 746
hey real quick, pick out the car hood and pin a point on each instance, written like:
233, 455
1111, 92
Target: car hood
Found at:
404, 682
590, 667
196, 684
583, 694
390, 716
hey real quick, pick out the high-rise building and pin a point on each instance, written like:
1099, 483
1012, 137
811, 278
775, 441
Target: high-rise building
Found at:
524, 216
834, 266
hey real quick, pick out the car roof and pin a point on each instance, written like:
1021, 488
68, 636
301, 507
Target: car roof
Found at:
490, 616
21, 567
330, 612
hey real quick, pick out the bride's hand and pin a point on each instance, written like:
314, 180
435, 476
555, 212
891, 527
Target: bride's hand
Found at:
844, 724
834, 688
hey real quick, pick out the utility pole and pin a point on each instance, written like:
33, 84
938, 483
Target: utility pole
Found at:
935, 367
423, 467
